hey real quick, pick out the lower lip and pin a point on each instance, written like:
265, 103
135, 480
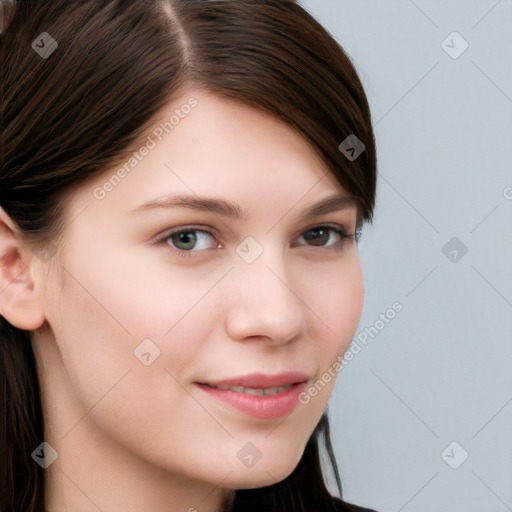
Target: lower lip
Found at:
264, 407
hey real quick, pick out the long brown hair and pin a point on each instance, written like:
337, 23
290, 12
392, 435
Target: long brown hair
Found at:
67, 116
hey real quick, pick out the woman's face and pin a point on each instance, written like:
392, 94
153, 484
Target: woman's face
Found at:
138, 315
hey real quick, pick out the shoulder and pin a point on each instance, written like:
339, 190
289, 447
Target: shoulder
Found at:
343, 506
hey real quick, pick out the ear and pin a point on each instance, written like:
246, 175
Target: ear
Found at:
19, 303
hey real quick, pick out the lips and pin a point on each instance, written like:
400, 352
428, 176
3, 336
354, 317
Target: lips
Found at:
253, 391
258, 395
261, 380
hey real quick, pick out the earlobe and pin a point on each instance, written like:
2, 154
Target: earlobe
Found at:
19, 303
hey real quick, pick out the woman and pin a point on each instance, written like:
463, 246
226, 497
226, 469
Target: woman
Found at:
182, 188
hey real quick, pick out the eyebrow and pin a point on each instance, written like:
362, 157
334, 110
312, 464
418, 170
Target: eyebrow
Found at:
234, 211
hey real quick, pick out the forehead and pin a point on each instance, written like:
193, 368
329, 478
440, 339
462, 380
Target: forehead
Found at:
218, 147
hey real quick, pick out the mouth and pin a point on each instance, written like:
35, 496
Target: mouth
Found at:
253, 391
258, 395
260, 384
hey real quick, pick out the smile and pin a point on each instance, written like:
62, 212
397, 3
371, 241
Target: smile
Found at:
254, 391
262, 403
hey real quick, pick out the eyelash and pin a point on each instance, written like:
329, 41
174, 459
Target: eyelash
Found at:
163, 240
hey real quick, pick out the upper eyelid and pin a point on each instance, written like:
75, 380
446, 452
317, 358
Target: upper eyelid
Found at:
188, 227
309, 223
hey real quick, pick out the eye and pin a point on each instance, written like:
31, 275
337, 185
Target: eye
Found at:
189, 239
330, 237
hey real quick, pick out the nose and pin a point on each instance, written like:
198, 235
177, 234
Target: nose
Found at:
263, 303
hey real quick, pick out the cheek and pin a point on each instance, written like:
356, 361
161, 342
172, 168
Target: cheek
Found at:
336, 297
97, 327
109, 320
345, 310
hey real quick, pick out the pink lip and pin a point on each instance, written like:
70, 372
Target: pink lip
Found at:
262, 380
264, 407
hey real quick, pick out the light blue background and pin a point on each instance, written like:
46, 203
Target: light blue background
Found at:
440, 371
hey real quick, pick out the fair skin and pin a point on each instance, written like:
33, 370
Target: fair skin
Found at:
132, 437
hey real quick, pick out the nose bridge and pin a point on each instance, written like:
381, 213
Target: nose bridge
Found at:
264, 303
268, 279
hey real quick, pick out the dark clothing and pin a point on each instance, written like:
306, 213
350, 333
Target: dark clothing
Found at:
354, 508
348, 507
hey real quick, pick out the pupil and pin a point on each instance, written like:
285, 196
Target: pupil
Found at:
186, 238
318, 236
